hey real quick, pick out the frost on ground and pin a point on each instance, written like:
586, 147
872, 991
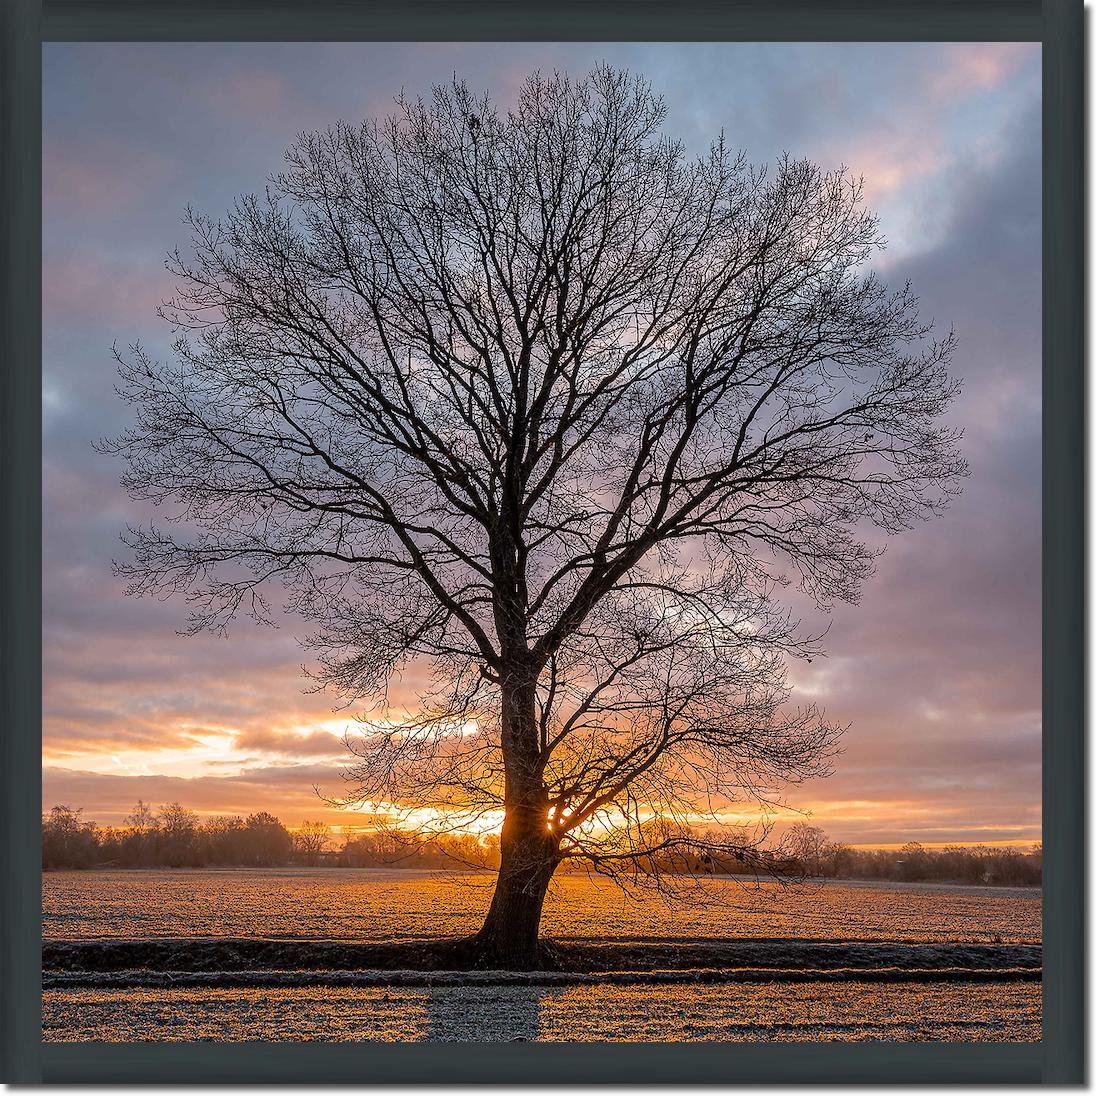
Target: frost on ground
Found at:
369, 904
355, 955
644, 1012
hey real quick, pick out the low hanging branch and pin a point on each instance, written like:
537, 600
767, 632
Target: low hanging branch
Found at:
533, 397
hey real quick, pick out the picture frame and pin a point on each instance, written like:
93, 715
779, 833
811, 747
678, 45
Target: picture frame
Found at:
1057, 24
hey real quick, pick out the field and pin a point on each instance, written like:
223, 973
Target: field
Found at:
831, 961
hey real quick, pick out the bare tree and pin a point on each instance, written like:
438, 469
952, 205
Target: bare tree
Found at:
311, 841
807, 845
535, 398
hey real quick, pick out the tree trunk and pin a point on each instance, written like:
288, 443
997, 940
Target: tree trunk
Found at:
508, 939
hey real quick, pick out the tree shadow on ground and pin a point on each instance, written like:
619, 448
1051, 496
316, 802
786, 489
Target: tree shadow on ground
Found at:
484, 1013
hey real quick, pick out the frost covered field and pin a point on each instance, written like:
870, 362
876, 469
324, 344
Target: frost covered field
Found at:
781, 1012
757, 984
371, 904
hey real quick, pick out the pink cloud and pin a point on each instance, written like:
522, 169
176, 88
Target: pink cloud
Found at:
255, 90
893, 160
84, 178
103, 286
265, 100
981, 66
903, 151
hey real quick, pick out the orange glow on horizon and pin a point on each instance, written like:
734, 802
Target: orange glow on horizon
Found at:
204, 753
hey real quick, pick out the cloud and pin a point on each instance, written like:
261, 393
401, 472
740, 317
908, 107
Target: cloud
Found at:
97, 178
103, 286
977, 67
287, 791
309, 743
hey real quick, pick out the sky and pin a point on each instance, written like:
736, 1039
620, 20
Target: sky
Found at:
937, 670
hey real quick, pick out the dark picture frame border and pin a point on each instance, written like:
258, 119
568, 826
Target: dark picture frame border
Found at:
1058, 25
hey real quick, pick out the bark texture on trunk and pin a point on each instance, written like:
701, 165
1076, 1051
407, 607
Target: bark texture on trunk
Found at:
509, 938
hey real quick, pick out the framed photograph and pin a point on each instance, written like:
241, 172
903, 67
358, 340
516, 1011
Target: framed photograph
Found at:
543, 543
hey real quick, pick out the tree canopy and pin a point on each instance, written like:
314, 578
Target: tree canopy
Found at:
535, 398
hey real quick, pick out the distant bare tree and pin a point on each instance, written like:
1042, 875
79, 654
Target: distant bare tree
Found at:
176, 831
806, 844
311, 841
535, 398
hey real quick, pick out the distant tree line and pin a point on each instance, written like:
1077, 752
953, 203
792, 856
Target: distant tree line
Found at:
401, 849
804, 851
173, 837
811, 853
